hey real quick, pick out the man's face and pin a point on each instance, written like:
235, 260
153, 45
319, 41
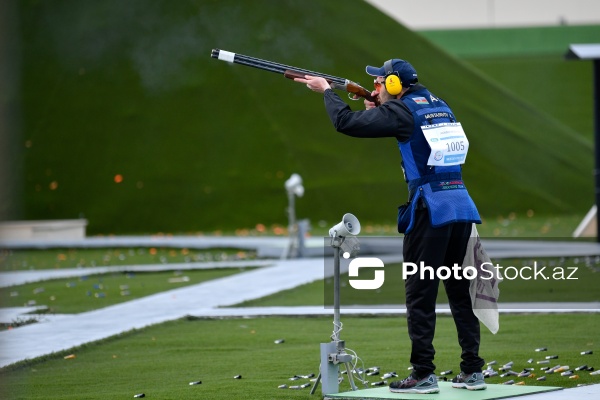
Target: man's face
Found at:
379, 84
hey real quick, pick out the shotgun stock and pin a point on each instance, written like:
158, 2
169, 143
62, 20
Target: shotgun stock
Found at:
290, 72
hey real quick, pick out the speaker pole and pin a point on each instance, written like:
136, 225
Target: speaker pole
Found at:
334, 353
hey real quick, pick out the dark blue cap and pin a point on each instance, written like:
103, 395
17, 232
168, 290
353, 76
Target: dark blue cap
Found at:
406, 72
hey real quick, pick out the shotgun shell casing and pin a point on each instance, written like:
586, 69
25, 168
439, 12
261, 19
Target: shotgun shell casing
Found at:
449, 372
551, 357
284, 386
583, 353
541, 349
195, 383
595, 372
511, 382
509, 364
530, 361
492, 363
380, 383
544, 362
295, 387
566, 373
237, 377
139, 395
541, 378
582, 367
574, 377
304, 386
520, 383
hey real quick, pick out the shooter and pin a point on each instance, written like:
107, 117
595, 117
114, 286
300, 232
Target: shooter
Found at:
438, 216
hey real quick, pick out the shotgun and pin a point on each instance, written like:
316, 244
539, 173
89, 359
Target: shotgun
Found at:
290, 72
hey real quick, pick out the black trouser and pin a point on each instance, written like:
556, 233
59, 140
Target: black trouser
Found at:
435, 247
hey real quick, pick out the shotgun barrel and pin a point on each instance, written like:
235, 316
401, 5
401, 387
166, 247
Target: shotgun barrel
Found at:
268, 65
292, 72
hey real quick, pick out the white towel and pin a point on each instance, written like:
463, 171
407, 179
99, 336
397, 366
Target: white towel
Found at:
484, 291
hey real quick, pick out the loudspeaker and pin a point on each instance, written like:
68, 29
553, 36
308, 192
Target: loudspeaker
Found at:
393, 83
348, 226
294, 185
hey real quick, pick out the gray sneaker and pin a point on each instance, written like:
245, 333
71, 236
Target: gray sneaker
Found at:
412, 385
472, 381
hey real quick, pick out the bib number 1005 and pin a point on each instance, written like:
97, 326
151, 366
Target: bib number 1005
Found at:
448, 142
455, 146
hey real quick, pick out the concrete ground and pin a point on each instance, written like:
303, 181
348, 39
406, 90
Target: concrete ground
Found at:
62, 332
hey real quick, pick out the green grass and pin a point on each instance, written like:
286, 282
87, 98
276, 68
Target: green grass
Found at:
160, 361
530, 63
29, 259
512, 289
75, 295
528, 225
510, 42
516, 73
205, 146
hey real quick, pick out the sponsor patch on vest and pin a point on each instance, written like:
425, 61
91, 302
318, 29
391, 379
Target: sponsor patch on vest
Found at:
420, 100
438, 186
437, 115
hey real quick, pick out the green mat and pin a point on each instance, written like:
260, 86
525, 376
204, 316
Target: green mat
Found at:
447, 392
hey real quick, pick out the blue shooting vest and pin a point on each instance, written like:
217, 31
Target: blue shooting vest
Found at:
441, 188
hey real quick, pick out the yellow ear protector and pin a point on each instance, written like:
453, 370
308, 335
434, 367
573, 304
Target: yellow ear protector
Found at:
393, 84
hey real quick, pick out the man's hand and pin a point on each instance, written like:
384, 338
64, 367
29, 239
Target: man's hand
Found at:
370, 104
314, 83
